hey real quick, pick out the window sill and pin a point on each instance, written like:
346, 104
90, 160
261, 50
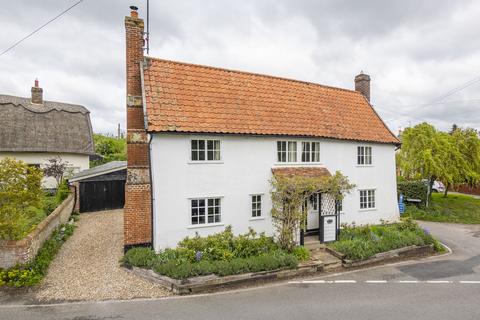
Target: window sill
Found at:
364, 165
205, 162
206, 225
368, 209
257, 218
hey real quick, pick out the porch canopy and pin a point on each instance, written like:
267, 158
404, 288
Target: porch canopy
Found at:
306, 172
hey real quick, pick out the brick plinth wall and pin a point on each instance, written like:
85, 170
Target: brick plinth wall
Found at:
137, 223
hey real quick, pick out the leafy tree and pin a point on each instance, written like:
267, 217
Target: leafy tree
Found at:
288, 196
110, 148
430, 154
20, 190
56, 168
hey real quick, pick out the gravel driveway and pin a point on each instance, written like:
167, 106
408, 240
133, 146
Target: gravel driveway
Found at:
87, 267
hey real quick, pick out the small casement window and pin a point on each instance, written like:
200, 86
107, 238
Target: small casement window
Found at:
367, 199
256, 205
205, 150
364, 155
206, 211
287, 151
310, 151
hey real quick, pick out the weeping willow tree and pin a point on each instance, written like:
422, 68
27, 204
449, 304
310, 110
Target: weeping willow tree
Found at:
289, 193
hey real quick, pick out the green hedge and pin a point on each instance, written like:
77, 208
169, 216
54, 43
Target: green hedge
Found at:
32, 273
413, 189
221, 254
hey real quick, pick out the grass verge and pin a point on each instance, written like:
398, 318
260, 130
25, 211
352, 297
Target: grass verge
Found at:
456, 208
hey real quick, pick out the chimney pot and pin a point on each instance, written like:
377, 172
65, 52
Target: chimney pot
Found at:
37, 93
362, 84
134, 12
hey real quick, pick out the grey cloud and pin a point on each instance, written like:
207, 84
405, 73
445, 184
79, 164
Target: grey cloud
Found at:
414, 50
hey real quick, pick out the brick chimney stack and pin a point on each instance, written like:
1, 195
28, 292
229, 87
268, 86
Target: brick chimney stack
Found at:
37, 93
362, 84
137, 224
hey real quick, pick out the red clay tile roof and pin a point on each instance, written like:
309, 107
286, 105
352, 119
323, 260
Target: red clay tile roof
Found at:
307, 172
182, 97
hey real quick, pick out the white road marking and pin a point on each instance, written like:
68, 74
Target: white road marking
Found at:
383, 281
316, 281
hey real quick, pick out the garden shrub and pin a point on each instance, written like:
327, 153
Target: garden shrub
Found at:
360, 243
62, 192
225, 246
301, 253
33, 272
221, 254
413, 190
265, 262
20, 189
140, 257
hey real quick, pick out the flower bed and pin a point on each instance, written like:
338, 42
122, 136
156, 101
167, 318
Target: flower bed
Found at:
361, 243
220, 254
32, 273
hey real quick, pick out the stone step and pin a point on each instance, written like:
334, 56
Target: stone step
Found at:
313, 245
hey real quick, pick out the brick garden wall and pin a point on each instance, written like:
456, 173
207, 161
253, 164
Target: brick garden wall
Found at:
465, 188
24, 250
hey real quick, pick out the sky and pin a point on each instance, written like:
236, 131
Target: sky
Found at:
417, 53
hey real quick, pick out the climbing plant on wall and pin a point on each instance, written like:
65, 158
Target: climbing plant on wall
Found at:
289, 193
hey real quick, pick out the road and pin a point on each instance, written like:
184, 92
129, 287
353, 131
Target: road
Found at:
446, 287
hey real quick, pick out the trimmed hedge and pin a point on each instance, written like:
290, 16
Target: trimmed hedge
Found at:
414, 190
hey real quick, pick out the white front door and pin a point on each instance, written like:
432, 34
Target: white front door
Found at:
312, 212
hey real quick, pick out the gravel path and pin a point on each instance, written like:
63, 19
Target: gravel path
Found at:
87, 267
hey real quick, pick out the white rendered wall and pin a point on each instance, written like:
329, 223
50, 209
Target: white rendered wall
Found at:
245, 169
77, 162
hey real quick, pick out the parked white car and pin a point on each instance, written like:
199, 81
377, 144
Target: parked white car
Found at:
438, 186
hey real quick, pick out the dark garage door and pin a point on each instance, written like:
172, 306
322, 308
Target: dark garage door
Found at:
102, 195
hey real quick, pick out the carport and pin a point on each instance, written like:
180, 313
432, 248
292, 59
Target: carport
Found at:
101, 188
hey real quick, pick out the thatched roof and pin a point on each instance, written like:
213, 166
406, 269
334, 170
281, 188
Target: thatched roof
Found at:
49, 127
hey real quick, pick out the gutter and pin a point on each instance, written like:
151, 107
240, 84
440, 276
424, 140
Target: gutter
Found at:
152, 197
144, 64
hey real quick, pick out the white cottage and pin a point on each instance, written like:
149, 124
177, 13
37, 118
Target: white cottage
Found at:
35, 130
203, 143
